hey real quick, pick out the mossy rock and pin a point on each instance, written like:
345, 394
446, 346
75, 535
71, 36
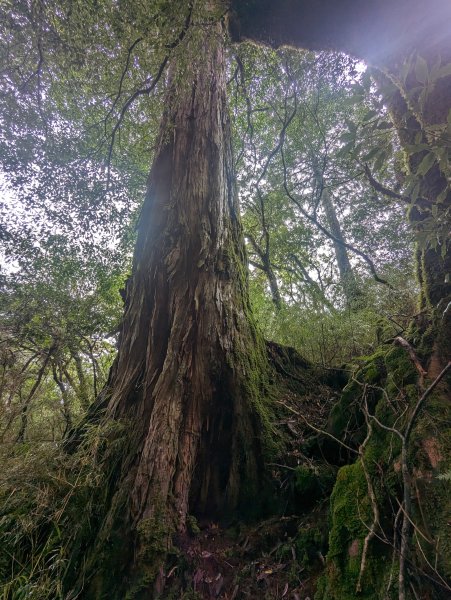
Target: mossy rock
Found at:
346, 416
350, 515
429, 451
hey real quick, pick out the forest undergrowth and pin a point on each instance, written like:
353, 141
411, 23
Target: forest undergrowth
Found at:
333, 526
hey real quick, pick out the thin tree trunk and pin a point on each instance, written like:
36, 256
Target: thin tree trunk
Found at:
266, 266
26, 404
82, 389
273, 286
347, 277
318, 292
57, 377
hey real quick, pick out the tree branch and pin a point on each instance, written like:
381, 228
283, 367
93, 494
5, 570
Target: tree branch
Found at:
326, 232
145, 91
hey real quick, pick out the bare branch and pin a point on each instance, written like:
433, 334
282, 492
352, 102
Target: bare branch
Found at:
124, 72
320, 431
399, 341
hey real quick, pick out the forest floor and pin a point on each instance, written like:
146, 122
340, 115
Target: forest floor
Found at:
248, 562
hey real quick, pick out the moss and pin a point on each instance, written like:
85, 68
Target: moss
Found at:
192, 525
309, 545
350, 514
153, 545
310, 483
400, 367
305, 480
428, 454
346, 415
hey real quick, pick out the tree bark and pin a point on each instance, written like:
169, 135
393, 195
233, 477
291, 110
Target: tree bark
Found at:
347, 277
190, 372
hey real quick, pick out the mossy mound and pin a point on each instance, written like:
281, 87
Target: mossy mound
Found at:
387, 387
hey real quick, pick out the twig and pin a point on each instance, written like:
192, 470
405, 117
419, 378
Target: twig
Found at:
145, 91
434, 569
406, 505
320, 431
372, 531
400, 341
423, 398
392, 567
124, 72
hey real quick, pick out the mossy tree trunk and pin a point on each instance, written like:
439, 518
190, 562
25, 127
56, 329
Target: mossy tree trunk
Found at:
191, 367
420, 112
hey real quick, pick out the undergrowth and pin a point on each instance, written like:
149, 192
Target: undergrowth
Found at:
49, 498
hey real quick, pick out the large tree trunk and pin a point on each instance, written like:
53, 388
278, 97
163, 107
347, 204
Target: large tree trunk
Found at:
191, 368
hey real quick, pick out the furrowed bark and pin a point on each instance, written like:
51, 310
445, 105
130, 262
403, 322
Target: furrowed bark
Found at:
191, 368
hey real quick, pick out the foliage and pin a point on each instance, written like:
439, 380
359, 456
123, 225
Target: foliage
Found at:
295, 111
47, 498
59, 321
334, 337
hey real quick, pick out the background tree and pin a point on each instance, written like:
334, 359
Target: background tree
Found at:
408, 44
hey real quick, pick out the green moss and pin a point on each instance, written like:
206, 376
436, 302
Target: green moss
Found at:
309, 545
346, 415
310, 483
153, 545
400, 367
191, 524
429, 453
350, 514
349, 505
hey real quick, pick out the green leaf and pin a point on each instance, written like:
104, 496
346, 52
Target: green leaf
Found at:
369, 115
381, 159
356, 98
347, 136
418, 137
404, 70
421, 70
442, 196
413, 149
444, 71
371, 154
351, 126
415, 192
346, 148
426, 164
